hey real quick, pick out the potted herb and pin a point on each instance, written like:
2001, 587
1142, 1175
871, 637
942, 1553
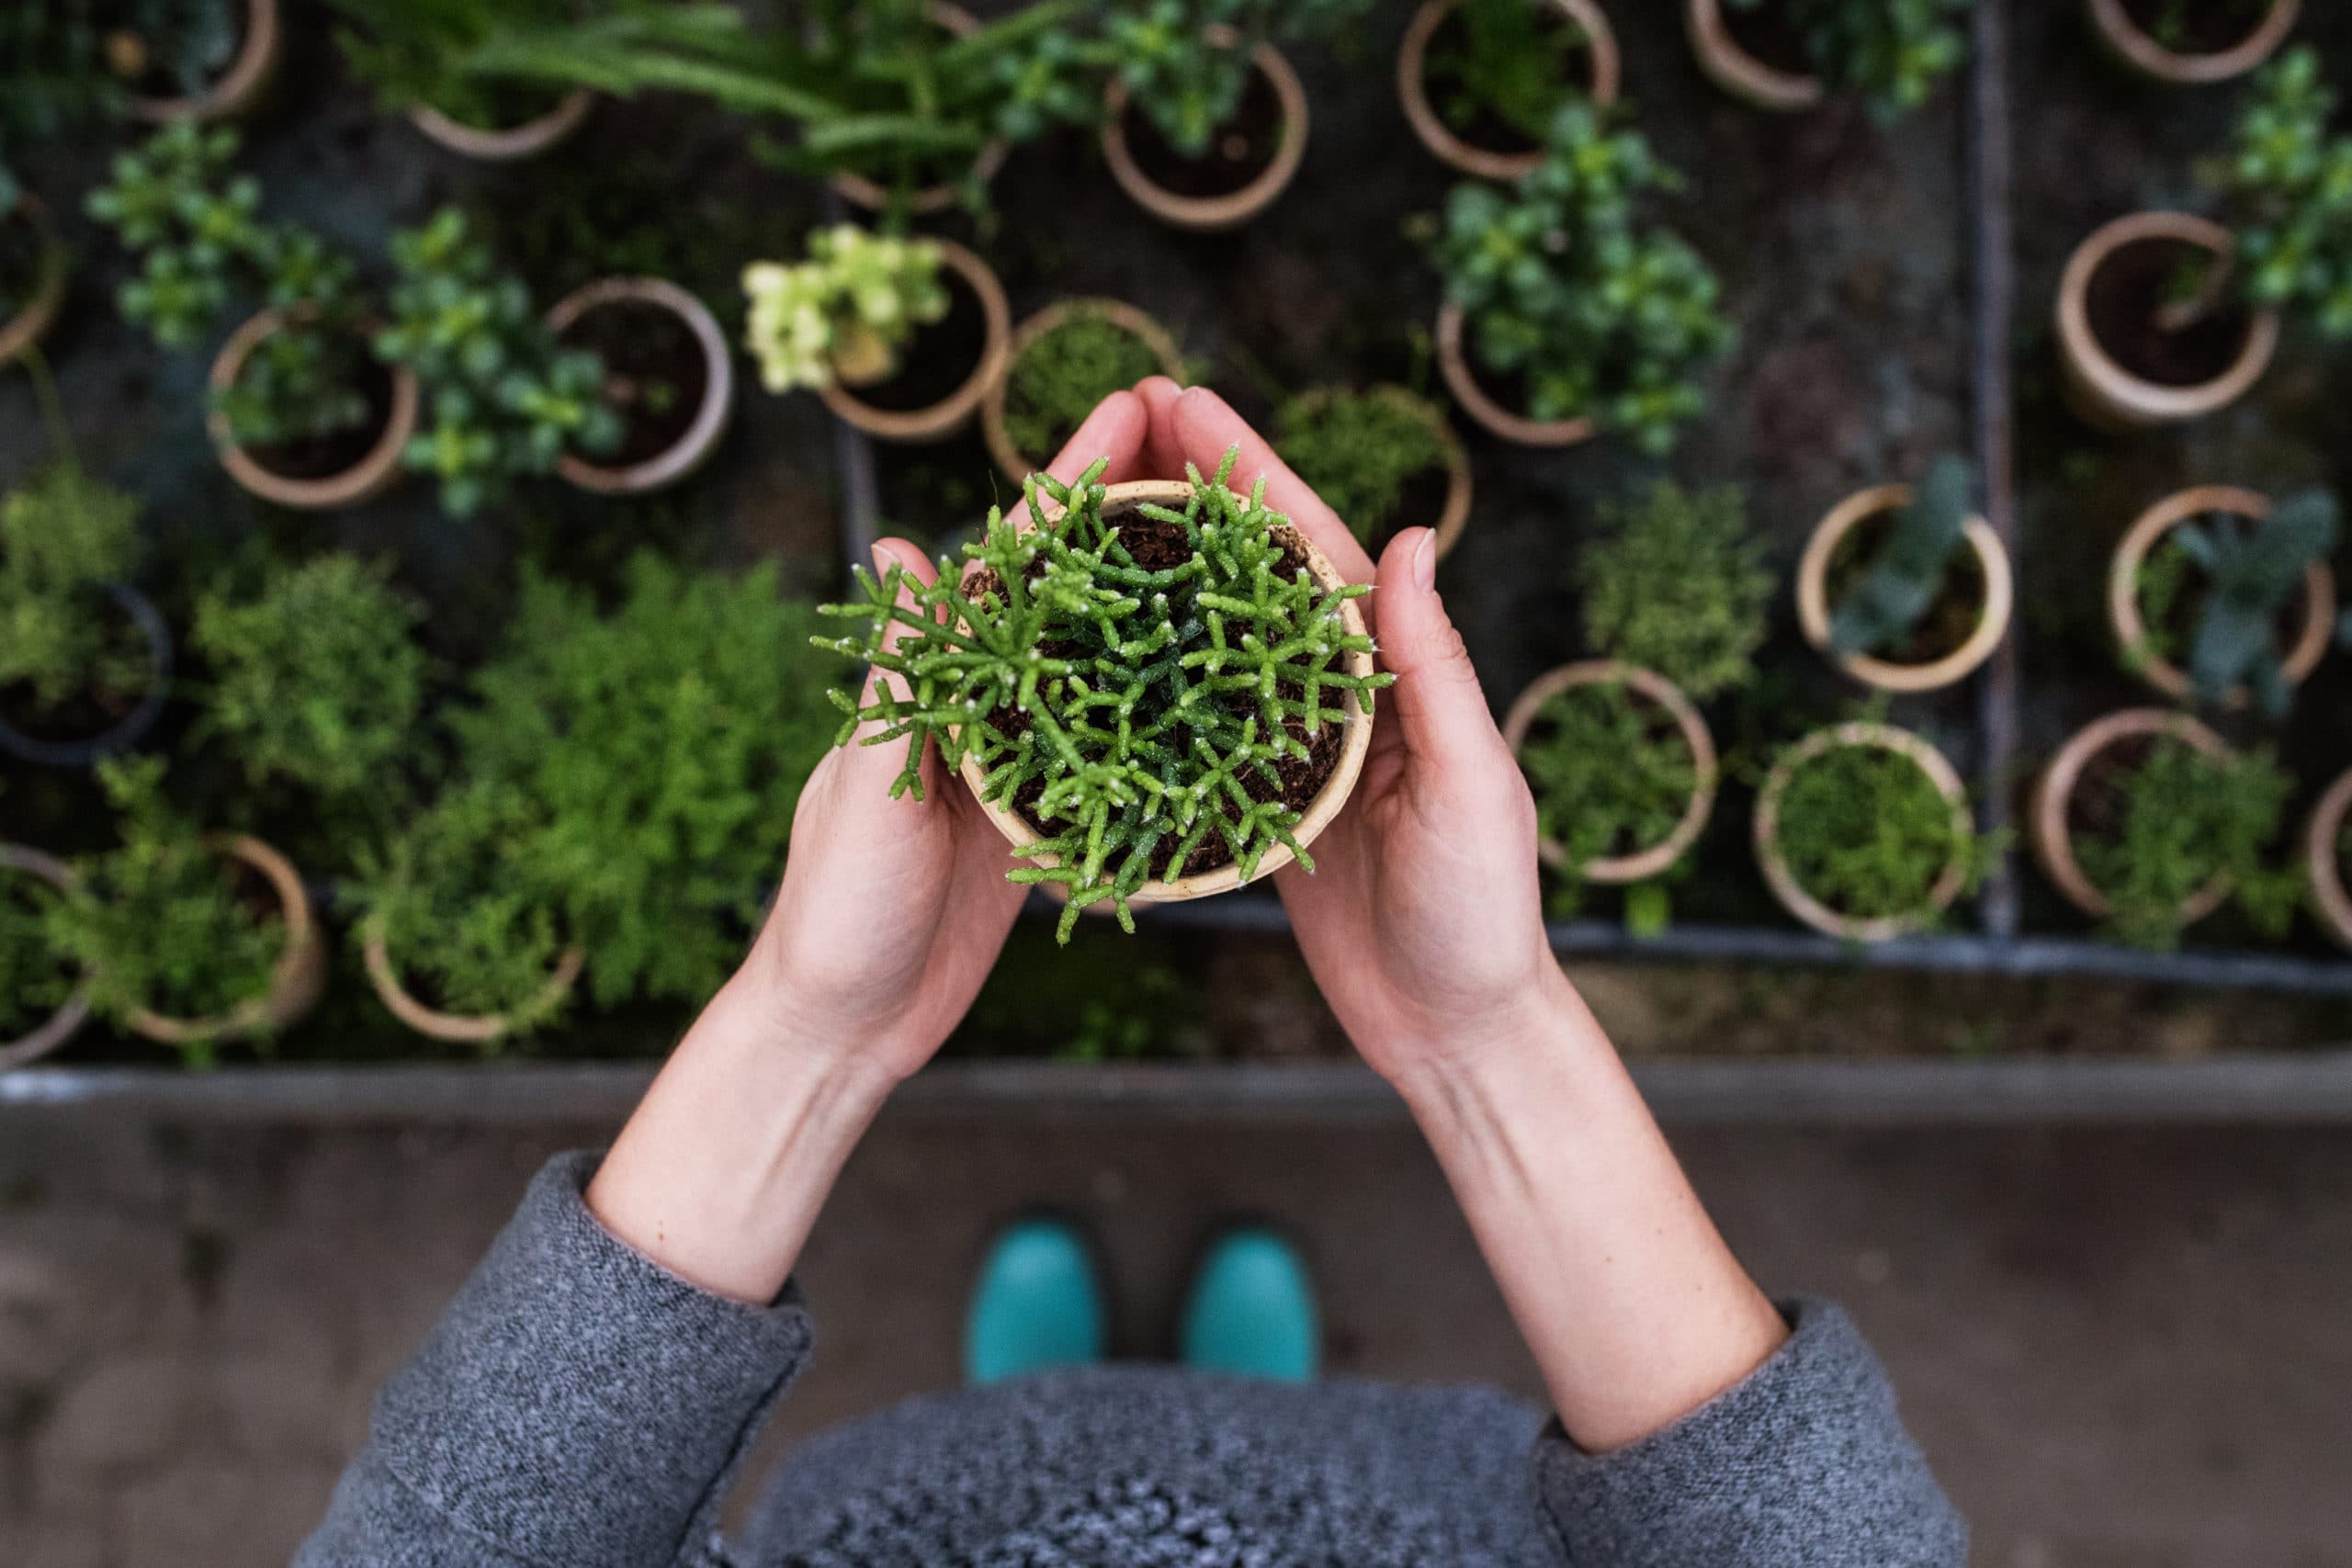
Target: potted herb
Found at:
1161, 692
1677, 583
2146, 820
1863, 832
2191, 42
2214, 594
43, 1002
1787, 55
668, 375
2327, 853
931, 70
1062, 362
920, 328
1382, 459
1624, 772
1480, 80
1578, 317
1909, 591
32, 270
193, 60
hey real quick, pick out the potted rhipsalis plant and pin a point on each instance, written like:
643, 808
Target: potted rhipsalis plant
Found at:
188, 938
1677, 585
193, 60
1789, 55
2191, 41
901, 337
2327, 860
1384, 458
1162, 691
669, 376
43, 1001
1061, 363
1907, 591
1480, 80
2147, 821
2214, 594
1566, 313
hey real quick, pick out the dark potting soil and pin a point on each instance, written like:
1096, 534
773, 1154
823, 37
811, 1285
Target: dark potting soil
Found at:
1951, 620
1765, 33
1420, 502
1238, 150
2126, 294
2197, 27
323, 456
20, 264
655, 376
2095, 812
202, 43
494, 106
939, 358
88, 713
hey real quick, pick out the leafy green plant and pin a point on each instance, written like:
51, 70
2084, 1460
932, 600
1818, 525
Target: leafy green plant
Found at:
1137, 714
64, 537
302, 381
1357, 449
1564, 286
1678, 585
1866, 831
1183, 82
1612, 774
846, 312
1892, 53
1505, 58
2286, 180
2245, 575
33, 982
196, 225
1058, 378
1905, 576
2177, 818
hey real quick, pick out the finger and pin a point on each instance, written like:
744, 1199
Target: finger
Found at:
877, 764
900, 553
1114, 430
1206, 426
1440, 710
1163, 458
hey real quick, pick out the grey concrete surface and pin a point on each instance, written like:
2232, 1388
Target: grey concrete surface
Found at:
2120, 1347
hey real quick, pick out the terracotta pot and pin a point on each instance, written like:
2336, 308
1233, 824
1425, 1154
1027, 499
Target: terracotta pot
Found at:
1815, 611
876, 198
1811, 911
459, 1029
1017, 466
2099, 387
1454, 514
1740, 74
1412, 88
1454, 364
2329, 898
67, 1020
295, 981
135, 725
1354, 743
239, 88
2052, 840
2295, 662
949, 414
2131, 43
363, 481
691, 450
514, 143
39, 314
1656, 688
1213, 212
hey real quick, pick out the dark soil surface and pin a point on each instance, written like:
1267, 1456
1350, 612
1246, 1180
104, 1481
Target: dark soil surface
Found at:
654, 376
2125, 300
323, 456
1466, 115
939, 358
1766, 33
1419, 503
20, 264
1951, 620
1238, 150
2197, 27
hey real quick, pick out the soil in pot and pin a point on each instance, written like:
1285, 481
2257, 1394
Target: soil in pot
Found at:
1563, 63
939, 358
182, 57
497, 106
655, 376
2197, 27
1766, 33
1058, 378
336, 452
2125, 303
121, 677
23, 263
34, 980
1951, 620
1239, 152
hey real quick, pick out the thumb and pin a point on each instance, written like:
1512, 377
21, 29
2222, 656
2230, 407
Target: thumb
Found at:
1440, 708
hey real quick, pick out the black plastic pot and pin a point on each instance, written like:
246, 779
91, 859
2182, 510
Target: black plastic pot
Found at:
133, 729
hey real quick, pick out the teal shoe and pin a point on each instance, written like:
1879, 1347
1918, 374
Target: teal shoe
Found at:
1252, 1309
1039, 1304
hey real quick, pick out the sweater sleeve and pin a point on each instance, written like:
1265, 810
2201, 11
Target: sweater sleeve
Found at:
1805, 1463
577, 1407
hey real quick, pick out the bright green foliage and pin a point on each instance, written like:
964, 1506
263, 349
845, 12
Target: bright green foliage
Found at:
660, 748
1907, 576
302, 381
1603, 317
1128, 710
2181, 818
1185, 85
502, 398
1865, 830
2249, 573
1059, 378
1679, 586
64, 537
1049, 76
1892, 53
1611, 771
53, 78
33, 982
2288, 180
849, 308
317, 680
175, 202
1514, 59
1356, 450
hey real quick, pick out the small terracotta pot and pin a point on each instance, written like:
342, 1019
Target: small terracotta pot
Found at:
39, 314
2296, 662
295, 981
2329, 898
1354, 743
1811, 911
2096, 384
134, 727
1209, 213
1455, 513
1017, 466
946, 416
873, 197
2052, 840
363, 481
1740, 74
1454, 364
239, 88
691, 450
1657, 689
514, 143
67, 1020
2131, 43
1815, 611
459, 1029
1412, 87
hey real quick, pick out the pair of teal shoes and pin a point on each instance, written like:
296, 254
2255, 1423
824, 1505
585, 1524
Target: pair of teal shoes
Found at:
1249, 1313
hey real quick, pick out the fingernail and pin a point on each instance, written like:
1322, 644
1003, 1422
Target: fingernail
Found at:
883, 561
1425, 560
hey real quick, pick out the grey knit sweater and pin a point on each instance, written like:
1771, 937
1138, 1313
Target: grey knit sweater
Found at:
580, 1407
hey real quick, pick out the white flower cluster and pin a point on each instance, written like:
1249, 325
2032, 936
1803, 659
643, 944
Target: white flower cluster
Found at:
859, 294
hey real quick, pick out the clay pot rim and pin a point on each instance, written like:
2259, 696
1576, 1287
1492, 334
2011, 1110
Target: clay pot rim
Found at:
1793, 894
682, 457
1209, 213
1660, 857
237, 87
369, 478
2143, 53
133, 727
296, 979
1453, 365
458, 1029
951, 411
860, 191
1412, 88
514, 143
1740, 74
2330, 898
2123, 394
32, 323
1015, 465
1814, 613
2130, 628
1455, 513
67, 1020
1355, 743
2052, 839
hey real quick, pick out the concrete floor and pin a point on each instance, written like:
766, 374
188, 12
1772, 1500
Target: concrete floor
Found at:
2118, 1348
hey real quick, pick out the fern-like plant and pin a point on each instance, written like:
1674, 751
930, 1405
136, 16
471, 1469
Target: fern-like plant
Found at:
65, 538
844, 313
1866, 831
1678, 585
1062, 375
1612, 775
34, 981
2249, 573
2178, 818
1356, 450
1891, 52
1905, 577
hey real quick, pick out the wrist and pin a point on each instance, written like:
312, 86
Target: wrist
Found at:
1528, 1030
